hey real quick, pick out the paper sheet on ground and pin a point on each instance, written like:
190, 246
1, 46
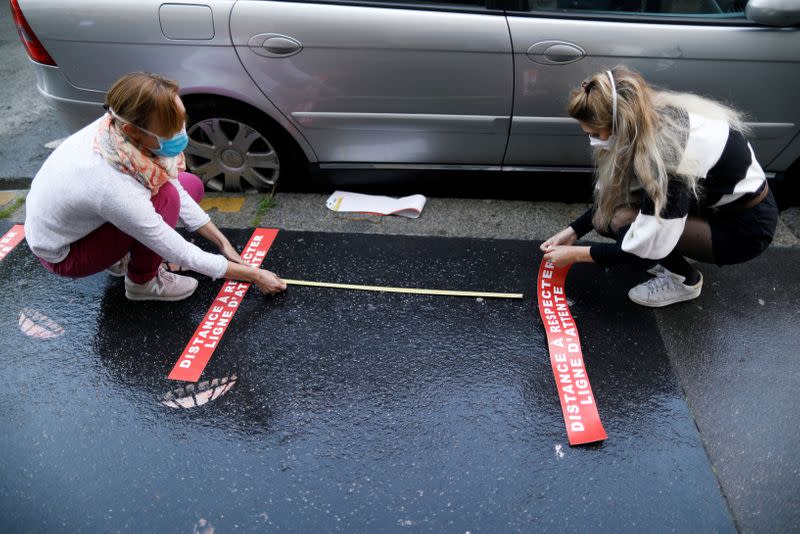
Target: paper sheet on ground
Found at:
410, 206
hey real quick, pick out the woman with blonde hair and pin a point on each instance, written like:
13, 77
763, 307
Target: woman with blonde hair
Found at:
675, 178
109, 198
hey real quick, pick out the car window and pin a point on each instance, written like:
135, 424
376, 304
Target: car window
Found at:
677, 8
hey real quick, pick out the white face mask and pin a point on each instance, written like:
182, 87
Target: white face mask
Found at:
606, 144
600, 143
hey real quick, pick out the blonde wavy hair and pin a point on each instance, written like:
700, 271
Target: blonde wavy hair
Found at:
649, 136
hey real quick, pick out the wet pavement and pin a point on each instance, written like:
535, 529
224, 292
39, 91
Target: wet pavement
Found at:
331, 410
29, 129
736, 350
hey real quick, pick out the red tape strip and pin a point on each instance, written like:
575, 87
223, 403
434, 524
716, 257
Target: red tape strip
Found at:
566, 356
206, 338
11, 239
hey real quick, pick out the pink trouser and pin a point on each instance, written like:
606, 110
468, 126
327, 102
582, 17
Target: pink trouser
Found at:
107, 245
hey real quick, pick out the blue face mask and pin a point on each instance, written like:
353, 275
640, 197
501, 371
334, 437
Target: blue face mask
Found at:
167, 148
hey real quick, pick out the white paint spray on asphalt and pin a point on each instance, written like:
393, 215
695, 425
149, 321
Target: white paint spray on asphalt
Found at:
52, 145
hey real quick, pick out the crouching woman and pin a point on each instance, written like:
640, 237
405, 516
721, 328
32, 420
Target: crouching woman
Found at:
109, 198
676, 178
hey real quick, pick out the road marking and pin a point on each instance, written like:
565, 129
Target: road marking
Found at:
192, 396
35, 324
409, 290
578, 404
11, 239
224, 204
55, 143
206, 338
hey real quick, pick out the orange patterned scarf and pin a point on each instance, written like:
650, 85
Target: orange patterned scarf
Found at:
152, 171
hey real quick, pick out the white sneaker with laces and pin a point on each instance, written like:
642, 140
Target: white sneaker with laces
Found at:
664, 289
164, 286
658, 268
120, 268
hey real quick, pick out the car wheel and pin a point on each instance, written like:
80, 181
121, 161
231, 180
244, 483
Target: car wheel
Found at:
234, 148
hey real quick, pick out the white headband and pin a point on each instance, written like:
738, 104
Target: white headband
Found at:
613, 102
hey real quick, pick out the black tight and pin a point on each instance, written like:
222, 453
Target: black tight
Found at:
694, 243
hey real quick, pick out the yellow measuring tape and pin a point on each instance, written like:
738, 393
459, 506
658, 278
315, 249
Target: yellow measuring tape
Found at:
412, 290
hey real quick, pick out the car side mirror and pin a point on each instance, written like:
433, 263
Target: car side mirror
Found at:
774, 12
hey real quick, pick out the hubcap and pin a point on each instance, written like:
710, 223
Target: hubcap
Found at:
231, 156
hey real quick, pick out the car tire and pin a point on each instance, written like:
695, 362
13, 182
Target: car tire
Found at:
236, 148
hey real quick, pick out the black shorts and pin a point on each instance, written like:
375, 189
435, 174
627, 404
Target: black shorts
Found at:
742, 235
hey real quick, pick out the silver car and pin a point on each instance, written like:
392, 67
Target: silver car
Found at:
274, 88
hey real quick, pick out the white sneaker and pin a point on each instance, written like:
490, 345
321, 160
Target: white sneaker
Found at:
657, 269
164, 286
120, 268
664, 289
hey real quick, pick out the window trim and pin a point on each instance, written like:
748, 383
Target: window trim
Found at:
520, 8
609, 16
487, 9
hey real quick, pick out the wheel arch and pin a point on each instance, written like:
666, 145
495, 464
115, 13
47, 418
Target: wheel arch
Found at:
192, 98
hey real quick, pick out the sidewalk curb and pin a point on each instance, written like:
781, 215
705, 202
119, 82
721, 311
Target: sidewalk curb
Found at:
13, 184
453, 217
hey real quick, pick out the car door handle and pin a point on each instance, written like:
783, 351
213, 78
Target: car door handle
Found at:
274, 45
555, 52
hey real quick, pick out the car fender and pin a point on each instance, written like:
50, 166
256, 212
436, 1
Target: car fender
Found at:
259, 102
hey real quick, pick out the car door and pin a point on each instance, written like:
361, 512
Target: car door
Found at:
706, 47
399, 85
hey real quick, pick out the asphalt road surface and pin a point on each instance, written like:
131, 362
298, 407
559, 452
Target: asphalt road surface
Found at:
358, 412
27, 124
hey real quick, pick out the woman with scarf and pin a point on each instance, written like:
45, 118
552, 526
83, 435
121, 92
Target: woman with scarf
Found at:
676, 178
109, 198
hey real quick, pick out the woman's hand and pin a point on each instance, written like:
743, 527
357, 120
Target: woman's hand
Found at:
210, 232
562, 256
227, 250
266, 281
567, 236
269, 283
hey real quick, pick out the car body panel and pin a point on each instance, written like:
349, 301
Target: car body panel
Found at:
186, 22
94, 43
735, 64
75, 107
385, 85
379, 87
